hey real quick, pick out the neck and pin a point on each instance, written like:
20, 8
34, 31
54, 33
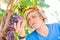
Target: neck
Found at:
43, 30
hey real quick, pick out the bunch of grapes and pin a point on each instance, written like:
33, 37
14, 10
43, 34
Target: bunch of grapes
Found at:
10, 30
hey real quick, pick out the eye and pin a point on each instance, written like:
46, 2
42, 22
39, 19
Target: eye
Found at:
33, 16
28, 19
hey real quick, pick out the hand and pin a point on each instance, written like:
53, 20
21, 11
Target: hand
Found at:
19, 28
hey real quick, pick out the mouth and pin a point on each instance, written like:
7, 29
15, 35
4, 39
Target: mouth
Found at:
33, 23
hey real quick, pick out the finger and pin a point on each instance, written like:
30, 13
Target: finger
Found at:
23, 24
19, 23
15, 25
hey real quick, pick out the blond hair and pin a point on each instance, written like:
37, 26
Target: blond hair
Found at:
34, 7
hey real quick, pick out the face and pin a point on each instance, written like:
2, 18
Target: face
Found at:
34, 19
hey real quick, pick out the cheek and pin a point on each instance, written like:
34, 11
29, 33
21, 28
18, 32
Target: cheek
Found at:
37, 20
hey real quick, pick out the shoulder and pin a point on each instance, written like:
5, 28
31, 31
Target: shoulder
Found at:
54, 24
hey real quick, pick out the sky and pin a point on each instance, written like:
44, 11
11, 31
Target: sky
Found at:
54, 4
53, 12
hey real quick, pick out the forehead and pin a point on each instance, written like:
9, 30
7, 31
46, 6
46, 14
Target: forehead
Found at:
32, 13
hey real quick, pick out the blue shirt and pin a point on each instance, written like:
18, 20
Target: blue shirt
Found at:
54, 33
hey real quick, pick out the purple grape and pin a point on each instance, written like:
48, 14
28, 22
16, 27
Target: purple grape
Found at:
10, 35
10, 30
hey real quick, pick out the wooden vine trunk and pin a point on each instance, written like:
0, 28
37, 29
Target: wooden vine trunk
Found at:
6, 18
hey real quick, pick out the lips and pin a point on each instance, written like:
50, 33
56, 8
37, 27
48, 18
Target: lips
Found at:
33, 23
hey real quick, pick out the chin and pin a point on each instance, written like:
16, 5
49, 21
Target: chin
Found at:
35, 27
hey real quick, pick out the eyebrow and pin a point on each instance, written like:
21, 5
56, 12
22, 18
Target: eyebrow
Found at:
30, 12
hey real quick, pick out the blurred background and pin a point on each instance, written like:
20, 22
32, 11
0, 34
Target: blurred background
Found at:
51, 8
